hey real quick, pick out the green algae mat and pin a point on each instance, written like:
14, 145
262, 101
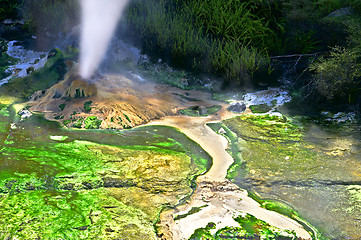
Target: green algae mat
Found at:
57, 183
312, 166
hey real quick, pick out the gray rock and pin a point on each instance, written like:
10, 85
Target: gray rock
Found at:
341, 12
25, 114
222, 131
237, 107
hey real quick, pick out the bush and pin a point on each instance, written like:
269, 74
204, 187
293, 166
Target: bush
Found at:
338, 76
92, 122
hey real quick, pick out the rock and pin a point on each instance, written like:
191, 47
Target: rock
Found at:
30, 70
36, 95
199, 110
25, 114
237, 107
222, 131
341, 12
58, 138
202, 110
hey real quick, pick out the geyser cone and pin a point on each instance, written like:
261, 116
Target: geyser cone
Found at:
99, 20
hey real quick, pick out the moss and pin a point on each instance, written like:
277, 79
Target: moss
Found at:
265, 127
86, 190
126, 116
78, 123
92, 122
70, 215
62, 106
250, 227
238, 166
203, 233
262, 108
260, 228
66, 122
192, 211
87, 105
4, 110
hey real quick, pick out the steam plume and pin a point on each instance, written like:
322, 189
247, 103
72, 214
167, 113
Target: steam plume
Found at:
99, 20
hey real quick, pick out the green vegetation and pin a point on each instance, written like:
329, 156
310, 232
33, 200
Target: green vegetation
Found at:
234, 149
338, 76
261, 108
235, 38
248, 42
42, 16
78, 123
192, 36
83, 190
9, 9
87, 105
62, 106
250, 228
192, 211
92, 122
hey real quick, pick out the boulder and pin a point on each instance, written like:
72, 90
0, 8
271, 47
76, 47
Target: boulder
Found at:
237, 107
341, 12
25, 114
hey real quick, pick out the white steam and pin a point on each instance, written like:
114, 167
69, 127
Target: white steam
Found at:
99, 20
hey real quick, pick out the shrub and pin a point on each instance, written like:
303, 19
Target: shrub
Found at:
338, 76
92, 122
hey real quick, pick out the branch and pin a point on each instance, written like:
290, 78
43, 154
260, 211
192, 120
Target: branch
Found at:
296, 55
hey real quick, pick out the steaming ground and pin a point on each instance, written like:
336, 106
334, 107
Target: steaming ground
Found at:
119, 102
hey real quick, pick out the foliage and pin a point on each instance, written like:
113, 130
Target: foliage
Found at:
338, 76
9, 9
190, 35
87, 106
92, 122
52, 16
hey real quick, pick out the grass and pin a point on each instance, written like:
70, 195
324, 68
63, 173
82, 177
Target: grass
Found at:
191, 36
